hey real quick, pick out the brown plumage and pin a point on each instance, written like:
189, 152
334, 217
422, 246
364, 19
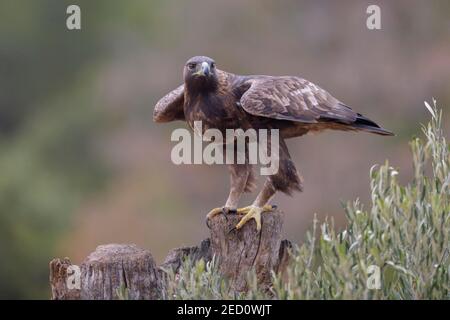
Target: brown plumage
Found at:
223, 100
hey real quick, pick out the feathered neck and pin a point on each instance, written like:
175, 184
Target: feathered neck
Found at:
200, 86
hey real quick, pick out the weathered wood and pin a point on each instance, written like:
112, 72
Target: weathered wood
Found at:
239, 251
111, 272
120, 271
58, 280
175, 257
284, 258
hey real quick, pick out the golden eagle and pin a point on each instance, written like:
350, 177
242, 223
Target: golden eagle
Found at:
223, 100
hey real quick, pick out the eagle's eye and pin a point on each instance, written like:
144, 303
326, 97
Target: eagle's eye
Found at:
192, 66
213, 65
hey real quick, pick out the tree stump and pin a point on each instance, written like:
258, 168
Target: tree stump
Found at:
59, 273
111, 272
120, 271
175, 257
238, 251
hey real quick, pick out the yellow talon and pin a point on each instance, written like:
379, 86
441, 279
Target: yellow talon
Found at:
252, 212
214, 212
245, 210
217, 211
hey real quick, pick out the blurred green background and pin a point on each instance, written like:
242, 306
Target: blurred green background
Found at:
82, 164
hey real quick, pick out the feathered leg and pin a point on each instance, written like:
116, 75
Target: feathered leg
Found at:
241, 180
286, 180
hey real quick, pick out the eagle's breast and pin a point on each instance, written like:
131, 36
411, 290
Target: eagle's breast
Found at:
216, 110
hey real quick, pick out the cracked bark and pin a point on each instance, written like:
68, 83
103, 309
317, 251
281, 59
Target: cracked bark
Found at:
111, 272
118, 271
121, 271
59, 272
240, 251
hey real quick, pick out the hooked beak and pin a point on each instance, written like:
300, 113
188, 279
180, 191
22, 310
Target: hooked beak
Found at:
204, 70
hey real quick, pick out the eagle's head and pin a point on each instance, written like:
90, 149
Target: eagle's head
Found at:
200, 74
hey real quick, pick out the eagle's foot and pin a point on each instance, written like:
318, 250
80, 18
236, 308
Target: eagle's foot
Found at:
224, 210
253, 212
245, 210
214, 212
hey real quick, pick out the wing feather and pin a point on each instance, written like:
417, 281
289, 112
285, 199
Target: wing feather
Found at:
294, 99
170, 107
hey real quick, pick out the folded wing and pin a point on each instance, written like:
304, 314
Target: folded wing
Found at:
299, 100
170, 107
295, 99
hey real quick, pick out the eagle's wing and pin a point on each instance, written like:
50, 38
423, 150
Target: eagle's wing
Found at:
294, 99
170, 107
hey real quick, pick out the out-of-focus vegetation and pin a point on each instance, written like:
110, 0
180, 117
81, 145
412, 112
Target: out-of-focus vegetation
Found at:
405, 233
48, 129
82, 164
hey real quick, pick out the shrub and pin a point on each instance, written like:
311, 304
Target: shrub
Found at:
405, 235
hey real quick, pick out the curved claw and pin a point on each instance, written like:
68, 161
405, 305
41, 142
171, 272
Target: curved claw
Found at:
212, 214
207, 223
231, 230
216, 211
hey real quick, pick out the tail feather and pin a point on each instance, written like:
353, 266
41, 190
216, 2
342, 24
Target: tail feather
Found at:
368, 125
